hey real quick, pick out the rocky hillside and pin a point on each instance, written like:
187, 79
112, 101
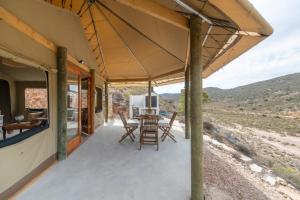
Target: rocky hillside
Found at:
288, 86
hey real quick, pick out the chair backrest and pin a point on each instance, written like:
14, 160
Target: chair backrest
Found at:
150, 122
172, 118
123, 118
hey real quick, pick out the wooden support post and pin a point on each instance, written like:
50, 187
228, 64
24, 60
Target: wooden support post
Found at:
61, 103
187, 104
92, 100
149, 96
106, 101
196, 110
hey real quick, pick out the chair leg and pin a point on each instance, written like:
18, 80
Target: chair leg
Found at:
123, 137
141, 140
130, 135
129, 132
157, 141
168, 133
164, 132
164, 136
172, 137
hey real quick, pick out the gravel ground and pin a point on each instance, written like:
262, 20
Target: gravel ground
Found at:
223, 182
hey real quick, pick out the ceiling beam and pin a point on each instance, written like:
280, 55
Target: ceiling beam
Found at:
158, 11
98, 41
16, 23
128, 80
177, 71
125, 43
137, 30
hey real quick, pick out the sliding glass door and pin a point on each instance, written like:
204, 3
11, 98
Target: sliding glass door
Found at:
85, 121
78, 107
73, 110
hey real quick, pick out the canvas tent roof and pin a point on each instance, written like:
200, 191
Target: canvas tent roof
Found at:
138, 40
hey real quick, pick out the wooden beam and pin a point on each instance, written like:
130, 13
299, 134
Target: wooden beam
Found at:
16, 23
128, 80
177, 71
61, 103
132, 26
92, 100
187, 104
149, 96
106, 102
187, 55
196, 110
158, 11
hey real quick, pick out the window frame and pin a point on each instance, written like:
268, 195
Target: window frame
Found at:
31, 132
97, 109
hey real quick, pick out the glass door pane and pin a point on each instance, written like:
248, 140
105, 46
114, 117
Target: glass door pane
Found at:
84, 105
72, 106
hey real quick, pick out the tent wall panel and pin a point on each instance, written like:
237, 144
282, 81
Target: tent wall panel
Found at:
20, 159
58, 25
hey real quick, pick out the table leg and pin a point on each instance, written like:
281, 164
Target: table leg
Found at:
4, 133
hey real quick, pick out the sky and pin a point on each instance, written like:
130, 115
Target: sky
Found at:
278, 55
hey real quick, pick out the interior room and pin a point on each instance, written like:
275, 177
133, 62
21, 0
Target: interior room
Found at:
24, 100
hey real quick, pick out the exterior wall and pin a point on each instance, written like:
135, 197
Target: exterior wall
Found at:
20, 160
99, 117
58, 25
110, 106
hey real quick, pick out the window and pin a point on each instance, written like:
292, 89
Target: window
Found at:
98, 100
36, 98
153, 101
24, 102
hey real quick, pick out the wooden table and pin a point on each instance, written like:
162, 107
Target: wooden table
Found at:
17, 126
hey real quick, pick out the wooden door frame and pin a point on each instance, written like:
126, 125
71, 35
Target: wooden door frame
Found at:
89, 103
76, 141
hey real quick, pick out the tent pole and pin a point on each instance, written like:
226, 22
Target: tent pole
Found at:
92, 100
61, 103
187, 103
196, 112
106, 101
149, 96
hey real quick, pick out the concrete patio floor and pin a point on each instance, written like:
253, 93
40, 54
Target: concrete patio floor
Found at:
101, 168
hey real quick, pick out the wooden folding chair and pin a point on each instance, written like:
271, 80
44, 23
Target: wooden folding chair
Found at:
166, 128
149, 131
129, 127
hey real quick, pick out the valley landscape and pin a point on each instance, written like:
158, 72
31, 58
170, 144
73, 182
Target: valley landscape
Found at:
256, 127
261, 120
265, 118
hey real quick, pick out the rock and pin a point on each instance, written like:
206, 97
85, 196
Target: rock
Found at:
245, 158
209, 127
255, 168
281, 181
270, 179
290, 186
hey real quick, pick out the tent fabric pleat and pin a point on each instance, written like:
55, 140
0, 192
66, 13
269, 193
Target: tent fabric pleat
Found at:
148, 40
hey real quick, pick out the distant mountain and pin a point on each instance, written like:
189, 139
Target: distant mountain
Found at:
170, 96
284, 86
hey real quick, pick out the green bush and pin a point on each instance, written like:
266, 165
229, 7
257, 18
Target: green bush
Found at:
290, 174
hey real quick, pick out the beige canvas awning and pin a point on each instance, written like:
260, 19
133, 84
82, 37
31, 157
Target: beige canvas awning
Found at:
140, 40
